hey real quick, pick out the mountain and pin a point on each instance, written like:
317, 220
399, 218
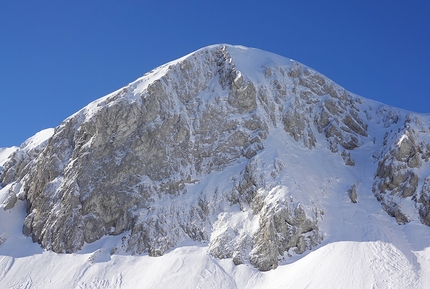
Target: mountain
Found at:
223, 164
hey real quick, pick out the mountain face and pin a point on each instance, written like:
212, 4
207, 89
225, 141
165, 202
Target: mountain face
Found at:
242, 150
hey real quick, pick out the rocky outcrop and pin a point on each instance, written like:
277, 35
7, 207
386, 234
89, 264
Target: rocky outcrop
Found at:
397, 179
284, 226
20, 163
321, 106
352, 193
424, 202
282, 229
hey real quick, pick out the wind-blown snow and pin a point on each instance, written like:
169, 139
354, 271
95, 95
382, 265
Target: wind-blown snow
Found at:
37, 139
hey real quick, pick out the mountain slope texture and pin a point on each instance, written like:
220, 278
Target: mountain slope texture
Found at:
224, 164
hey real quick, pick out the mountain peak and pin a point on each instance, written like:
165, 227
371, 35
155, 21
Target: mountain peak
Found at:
255, 155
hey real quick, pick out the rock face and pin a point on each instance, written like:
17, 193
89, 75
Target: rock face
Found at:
186, 152
399, 180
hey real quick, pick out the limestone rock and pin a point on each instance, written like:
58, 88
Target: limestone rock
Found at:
10, 201
397, 178
352, 193
349, 161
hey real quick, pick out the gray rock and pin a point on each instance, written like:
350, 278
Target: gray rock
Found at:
397, 177
10, 201
349, 161
352, 193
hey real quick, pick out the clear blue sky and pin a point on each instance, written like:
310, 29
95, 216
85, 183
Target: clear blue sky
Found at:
57, 56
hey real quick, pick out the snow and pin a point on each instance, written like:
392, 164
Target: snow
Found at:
5, 153
399, 143
363, 247
260, 59
37, 139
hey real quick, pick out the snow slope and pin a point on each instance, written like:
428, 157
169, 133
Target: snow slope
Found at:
361, 245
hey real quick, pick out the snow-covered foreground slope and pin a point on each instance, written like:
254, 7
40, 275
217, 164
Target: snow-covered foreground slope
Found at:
223, 164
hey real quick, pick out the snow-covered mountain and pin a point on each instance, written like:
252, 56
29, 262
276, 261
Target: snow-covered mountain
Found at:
224, 164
